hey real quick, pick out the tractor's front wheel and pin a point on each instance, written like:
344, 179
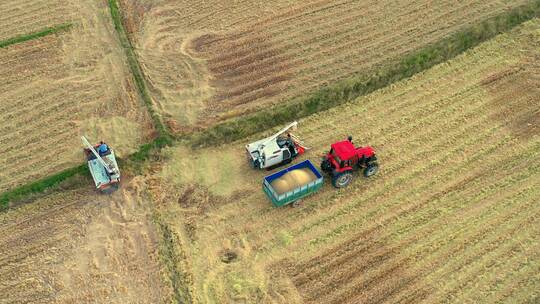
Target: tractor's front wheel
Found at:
326, 166
342, 180
371, 169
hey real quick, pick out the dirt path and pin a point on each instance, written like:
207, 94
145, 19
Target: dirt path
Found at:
79, 247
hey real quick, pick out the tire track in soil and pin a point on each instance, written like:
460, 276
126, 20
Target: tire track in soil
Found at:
81, 247
120, 249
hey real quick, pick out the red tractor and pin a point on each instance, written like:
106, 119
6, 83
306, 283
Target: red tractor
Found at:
344, 158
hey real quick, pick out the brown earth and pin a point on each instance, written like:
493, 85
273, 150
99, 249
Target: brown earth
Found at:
81, 247
215, 60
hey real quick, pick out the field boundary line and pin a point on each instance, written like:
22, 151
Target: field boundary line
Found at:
349, 89
35, 35
135, 67
40, 185
172, 255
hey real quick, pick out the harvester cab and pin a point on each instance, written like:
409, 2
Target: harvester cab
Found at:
102, 165
344, 158
276, 150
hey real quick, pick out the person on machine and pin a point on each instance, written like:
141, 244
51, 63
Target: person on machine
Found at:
102, 148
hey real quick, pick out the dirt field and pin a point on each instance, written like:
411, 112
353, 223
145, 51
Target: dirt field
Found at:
213, 60
80, 247
20, 17
58, 87
450, 218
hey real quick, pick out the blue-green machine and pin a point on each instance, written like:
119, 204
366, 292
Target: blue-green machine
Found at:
294, 195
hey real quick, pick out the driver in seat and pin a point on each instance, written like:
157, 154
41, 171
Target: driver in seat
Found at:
102, 148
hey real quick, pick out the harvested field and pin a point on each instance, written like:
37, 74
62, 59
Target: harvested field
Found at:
215, 60
56, 88
450, 218
81, 247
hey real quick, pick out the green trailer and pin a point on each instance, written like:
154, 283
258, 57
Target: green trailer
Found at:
294, 195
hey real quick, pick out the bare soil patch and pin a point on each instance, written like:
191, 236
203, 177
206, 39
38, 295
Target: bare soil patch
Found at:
78, 246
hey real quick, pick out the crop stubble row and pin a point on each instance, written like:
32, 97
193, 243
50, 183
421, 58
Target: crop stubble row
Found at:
39, 234
446, 124
530, 158
56, 87
78, 245
24, 17
297, 50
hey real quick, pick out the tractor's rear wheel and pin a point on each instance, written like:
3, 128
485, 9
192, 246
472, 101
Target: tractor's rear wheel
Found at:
342, 180
371, 169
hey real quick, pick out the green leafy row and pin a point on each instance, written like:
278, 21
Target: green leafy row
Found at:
40, 185
42, 33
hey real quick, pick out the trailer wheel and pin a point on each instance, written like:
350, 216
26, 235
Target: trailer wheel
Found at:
296, 204
371, 169
342, 180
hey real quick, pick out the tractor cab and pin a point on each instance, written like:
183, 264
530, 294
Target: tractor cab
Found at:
344, 158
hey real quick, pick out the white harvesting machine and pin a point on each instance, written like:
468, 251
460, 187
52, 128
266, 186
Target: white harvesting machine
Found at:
276, 150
